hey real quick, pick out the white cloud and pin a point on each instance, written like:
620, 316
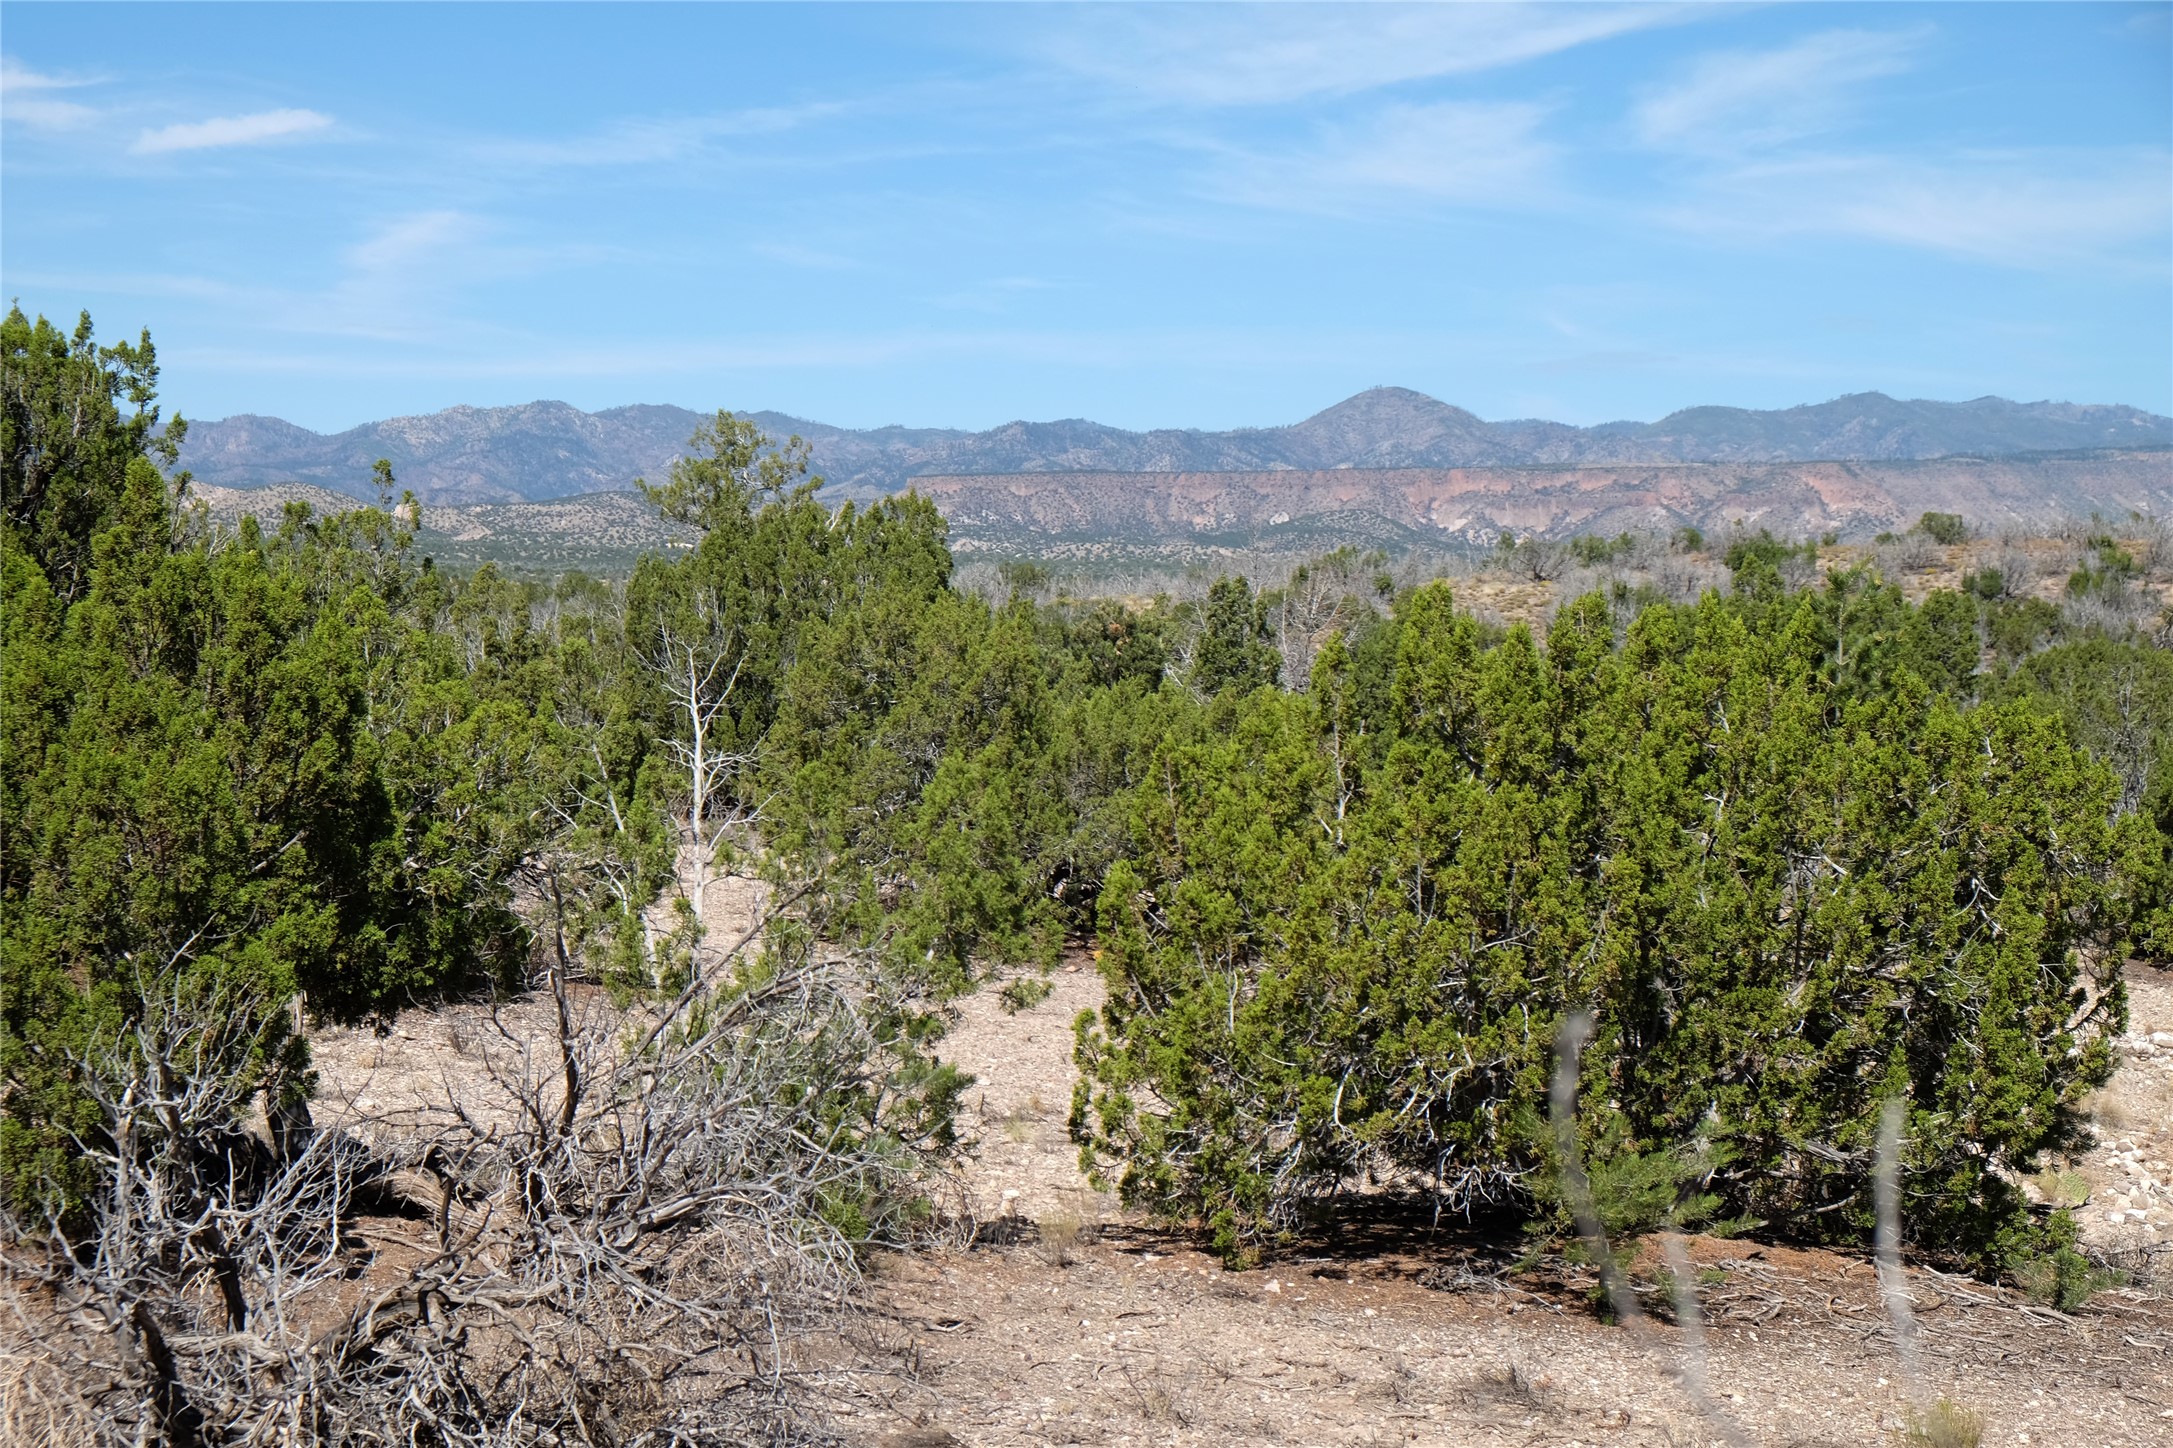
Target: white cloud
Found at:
15, 76
1737, 100
2037, 208
250, 130
1258, 55
34, 108
1477, 152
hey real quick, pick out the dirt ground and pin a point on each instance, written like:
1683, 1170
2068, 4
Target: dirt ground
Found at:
1073, 1322
2126, 1196
1399, 1334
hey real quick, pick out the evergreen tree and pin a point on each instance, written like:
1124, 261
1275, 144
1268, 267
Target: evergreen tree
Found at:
1351, 923
1233, 649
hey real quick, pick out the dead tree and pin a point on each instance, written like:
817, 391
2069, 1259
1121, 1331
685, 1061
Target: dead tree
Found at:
697, 655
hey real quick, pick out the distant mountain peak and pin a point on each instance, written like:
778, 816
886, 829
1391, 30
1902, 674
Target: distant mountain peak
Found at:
1389, 402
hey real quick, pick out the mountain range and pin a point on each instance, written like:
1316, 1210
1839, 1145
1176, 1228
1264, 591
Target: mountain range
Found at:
543, 450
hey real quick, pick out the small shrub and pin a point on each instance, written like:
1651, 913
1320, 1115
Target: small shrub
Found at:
1689, 540
1635, 1191
1757, 558
1912, 552
2106, 571
2062, 1278
1947, 529
1945, 1424
1759, 547
1022, 580
1024, 993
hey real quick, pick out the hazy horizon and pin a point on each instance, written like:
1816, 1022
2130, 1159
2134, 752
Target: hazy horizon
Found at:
1040, 421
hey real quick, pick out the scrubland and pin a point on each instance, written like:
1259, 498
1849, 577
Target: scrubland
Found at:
803, 991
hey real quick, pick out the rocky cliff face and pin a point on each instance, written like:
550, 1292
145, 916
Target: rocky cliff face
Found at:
1856, 499
550, 450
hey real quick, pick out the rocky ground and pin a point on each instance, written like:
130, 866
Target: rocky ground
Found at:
2124, 1184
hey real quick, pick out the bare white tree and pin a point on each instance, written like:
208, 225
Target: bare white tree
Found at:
697, 655
1318, 598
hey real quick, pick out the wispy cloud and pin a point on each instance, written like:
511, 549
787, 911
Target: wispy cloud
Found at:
1754, 125
2030, 208
23, 98
402, 283
412, 281
253, 129
1262, 55
1474, 152
807, 258
996, 295
400, 246
1736, 100
137, 284
642, 141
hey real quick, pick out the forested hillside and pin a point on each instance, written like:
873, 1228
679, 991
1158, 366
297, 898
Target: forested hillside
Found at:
1350, 856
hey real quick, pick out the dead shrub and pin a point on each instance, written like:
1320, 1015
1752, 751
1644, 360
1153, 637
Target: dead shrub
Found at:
631, 1234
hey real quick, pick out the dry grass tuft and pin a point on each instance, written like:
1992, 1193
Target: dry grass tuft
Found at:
1945, 1424
1057, 1238
1512, 1385
1161, 1400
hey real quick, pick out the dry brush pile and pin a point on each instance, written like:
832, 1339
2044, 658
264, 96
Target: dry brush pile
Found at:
624, 1234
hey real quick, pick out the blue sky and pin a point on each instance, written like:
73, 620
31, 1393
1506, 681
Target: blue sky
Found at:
1158, 216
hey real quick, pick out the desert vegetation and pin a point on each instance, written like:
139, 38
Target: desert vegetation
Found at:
1684, 894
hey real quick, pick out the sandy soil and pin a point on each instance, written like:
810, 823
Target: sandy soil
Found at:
1401, 1334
